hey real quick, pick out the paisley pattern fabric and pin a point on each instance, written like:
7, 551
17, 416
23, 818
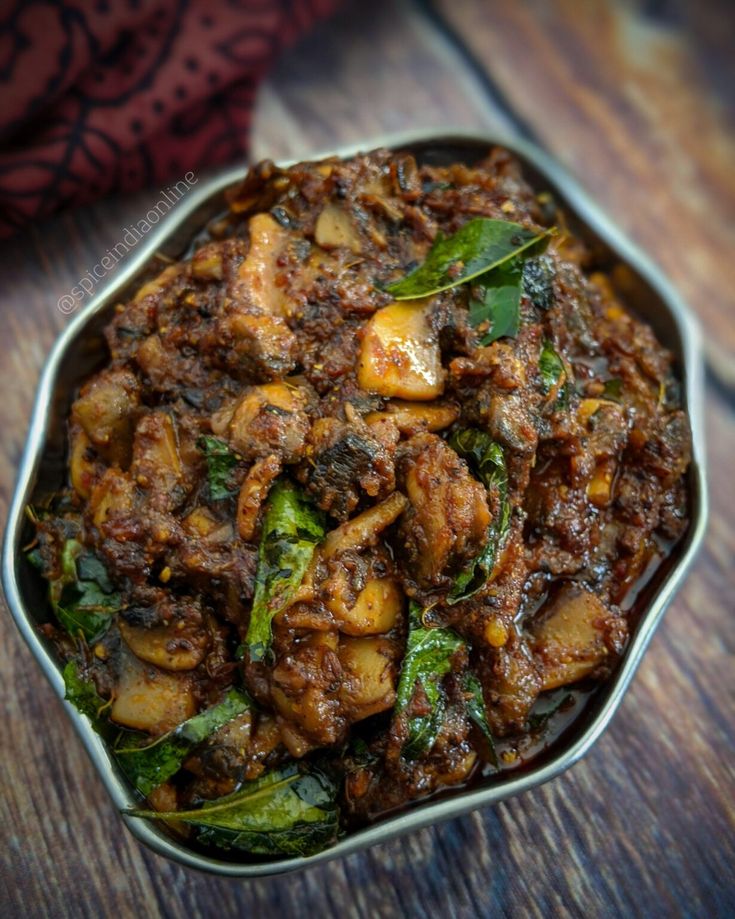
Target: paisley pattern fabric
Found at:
102, 96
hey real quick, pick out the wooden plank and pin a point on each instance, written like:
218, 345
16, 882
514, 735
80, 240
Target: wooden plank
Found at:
644, 825
333, 90
622, 94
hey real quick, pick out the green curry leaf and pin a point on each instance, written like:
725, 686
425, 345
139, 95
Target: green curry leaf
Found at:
544, 711
149, 765
83, 597
83, 695
288, 811
551, 366
554, 376
481, 244
427, 660
487, 462
499, 303
84, 609
477, 714
220, 463
292, 528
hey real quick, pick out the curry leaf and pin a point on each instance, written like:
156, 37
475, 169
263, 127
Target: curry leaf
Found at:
83, 596
553, 373
477, 714
147, 766
84, 609
220, 463
487, 462
484, 457
499, 303
83, 695
427, 660
478, 246
551, 366
540, 717
91, 568
292, 528
289, 811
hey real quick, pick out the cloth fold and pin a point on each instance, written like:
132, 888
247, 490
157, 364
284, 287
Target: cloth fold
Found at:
103, 96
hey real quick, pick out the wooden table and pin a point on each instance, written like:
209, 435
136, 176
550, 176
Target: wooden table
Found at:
632, 98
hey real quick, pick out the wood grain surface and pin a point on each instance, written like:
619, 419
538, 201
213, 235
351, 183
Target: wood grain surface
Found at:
636, 100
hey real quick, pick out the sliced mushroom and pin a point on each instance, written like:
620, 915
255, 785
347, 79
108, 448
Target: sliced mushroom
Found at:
170, 647
400, 354
370, 673
569, 638
414, 417
335, 228
375, 610
149, 699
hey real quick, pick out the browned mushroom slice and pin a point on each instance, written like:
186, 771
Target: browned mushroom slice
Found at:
335, 228
414, 417
171, 647
369, 676
267, 419
257, 274
375, 609
446, 524
400, 354
569, 638
149, 699
105, 410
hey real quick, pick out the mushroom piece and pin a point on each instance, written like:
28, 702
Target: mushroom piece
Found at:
568, 639
400, 354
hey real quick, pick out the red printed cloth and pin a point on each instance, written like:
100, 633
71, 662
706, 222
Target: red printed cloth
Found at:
102, 96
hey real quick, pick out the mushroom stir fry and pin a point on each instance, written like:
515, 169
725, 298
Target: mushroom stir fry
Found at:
359, 494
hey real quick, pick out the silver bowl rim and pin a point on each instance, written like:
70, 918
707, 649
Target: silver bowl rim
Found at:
432, 811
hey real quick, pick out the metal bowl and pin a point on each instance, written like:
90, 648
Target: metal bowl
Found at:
81, 349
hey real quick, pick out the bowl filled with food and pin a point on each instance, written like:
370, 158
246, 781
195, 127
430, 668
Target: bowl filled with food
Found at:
353, 502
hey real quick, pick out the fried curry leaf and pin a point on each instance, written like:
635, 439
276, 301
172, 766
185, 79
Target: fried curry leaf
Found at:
220, 463
84, 609
84, 697
289, 811
149, 765
83, 597
499, 303
477, 714
292, 528
487, 462
427, 660
551, 366
538, 720
554, 376
478, 246
483, 456
91, 568
146, 764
